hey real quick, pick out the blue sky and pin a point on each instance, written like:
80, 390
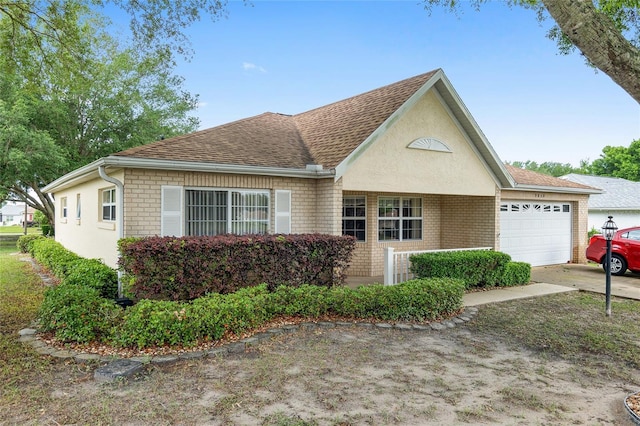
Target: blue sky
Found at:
289, 57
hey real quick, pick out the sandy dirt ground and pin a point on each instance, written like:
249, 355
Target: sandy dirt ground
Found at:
350, 375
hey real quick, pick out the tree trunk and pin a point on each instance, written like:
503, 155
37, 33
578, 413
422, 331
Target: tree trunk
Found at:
595, 34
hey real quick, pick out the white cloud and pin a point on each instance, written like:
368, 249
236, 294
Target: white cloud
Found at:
248, 66
201, 104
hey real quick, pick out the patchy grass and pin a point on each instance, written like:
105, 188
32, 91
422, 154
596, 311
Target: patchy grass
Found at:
21, 293
572, 326
530, 361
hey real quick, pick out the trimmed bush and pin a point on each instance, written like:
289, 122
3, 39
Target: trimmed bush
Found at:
77, 314
516, 273
24, 242
477, 268
95, 274
169, 268
414, 300
305, 301
156, 323
53, 256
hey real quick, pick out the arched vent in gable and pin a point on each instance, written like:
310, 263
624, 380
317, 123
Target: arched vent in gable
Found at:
429, 144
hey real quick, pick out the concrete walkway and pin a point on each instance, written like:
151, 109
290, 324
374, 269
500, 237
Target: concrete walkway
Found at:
510, 293
547, 280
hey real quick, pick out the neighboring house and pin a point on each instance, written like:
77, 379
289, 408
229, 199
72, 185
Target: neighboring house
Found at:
620, 198
13, 214
403, 166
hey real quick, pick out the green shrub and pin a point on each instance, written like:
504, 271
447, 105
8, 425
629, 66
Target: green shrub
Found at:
516, 273
156, 323
24, 242
77, 314
477, 268
95, 274
53, 256
414, 300
305, 301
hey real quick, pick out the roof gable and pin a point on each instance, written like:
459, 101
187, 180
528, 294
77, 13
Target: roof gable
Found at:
527, 178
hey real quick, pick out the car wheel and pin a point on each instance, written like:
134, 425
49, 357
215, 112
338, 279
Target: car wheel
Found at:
618, 265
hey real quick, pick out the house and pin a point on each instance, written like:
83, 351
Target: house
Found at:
14, 214
403, 166
620, 198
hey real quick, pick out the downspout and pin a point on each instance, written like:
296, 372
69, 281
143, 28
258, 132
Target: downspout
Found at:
119, 214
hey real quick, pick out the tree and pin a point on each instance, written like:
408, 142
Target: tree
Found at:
618, 161
547, 168
61, 109
156, 25
606, 32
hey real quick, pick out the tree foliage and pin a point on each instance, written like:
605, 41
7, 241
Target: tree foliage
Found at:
618, 161
606, 32
615, 161
62, 108
548, 167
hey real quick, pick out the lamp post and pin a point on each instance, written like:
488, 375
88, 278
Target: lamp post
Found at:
608, 229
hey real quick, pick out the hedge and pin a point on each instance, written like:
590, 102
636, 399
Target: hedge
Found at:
477, 268
24, 242
185, 268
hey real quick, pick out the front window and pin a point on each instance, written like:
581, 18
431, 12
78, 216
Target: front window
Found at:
213, 212
63, 207
399, 218
354, 214
109, 204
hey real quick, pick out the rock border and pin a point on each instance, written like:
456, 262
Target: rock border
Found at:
29, 336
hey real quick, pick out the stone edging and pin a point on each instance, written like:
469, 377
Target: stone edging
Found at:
29, 337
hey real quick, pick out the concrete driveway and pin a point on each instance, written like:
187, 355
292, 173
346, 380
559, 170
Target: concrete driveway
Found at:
588, 277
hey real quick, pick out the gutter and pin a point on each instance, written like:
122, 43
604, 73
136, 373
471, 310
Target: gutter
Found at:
119, 214
310, 172
567, 190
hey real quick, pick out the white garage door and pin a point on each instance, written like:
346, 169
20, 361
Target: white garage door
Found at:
536, 233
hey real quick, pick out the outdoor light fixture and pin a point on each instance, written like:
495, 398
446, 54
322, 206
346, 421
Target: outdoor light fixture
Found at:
609, 230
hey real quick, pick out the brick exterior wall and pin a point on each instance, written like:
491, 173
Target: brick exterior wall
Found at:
309, 213
447, 222
316, 206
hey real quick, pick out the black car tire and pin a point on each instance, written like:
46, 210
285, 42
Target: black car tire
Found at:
618, 265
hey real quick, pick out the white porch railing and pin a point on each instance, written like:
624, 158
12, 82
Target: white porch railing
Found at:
396, 263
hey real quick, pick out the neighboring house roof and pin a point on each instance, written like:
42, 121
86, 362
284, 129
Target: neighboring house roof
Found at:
527, 179
13, 210
618, 193
331, 136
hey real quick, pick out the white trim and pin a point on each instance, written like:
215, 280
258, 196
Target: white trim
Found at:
88, 171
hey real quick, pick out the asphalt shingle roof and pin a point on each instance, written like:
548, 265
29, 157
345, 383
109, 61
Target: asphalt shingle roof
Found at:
617, 193
528, 177
325, 135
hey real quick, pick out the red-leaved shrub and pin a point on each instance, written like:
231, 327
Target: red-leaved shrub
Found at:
185, 268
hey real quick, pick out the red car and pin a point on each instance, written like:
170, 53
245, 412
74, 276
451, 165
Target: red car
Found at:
625, 250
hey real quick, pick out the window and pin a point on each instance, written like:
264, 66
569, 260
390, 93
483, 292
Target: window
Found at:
354, 214
63, 207
213, 212
109, 204
399, 218
78, 208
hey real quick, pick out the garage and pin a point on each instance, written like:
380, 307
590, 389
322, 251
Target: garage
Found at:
536, 233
